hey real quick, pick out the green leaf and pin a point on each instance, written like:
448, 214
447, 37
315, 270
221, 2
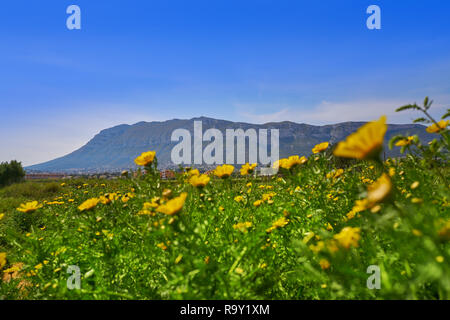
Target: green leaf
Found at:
394, 139
407, 107
423, 120
446, 115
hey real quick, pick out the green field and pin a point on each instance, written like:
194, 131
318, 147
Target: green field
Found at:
309, 232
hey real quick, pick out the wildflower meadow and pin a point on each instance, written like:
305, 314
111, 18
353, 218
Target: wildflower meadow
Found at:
339, 223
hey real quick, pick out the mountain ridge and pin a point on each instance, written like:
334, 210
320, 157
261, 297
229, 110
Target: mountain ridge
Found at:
115, 148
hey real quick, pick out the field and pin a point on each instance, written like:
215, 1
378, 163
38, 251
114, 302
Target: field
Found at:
319, 229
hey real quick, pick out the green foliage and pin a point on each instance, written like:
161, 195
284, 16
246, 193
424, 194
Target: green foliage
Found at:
198, 254
11, 172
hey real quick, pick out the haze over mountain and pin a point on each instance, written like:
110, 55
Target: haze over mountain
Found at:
114, 149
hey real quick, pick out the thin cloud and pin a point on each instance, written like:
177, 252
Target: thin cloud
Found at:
333, 112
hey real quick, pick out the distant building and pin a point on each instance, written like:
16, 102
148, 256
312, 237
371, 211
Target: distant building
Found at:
40, 176
167, 174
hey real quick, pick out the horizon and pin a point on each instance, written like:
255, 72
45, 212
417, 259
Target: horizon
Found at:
224, 120
255, 123
251, 62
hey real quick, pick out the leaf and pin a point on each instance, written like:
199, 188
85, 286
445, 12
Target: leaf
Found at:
421, 120
407, 107
89, 273
446, 115
394, 139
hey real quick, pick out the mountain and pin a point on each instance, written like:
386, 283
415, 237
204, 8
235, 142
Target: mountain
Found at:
114, 149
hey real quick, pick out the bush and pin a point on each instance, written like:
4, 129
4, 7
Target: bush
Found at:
30, 190
11, 172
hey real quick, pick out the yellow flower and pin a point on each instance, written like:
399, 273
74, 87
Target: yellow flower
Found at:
441, 125
335, 174
351, 214
379, 190
444, 232
193, 172
238, 198
348, 237
199, 180
391, 172
289, 162
376, 193
242, 226
257, 203
318, 247
239, 270
268, 196
112, 196
148, 207
29, 206
415, 184
174, 205
339, 172
2, 215
247, 169
295, 160
361, 205
12, 272
224, 171
162, 246
2, 259
104, 200
324, 264
332, 246
365, 143
145, 158
404, 142
88, 204
280, 223
280, 163
320, 147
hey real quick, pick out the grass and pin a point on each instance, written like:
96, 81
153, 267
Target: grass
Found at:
198, 254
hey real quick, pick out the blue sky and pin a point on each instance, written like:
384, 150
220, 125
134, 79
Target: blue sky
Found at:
248, 60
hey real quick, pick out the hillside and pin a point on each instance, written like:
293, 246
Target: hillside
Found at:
115, 148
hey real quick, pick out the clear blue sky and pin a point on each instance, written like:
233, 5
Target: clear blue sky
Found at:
247, 60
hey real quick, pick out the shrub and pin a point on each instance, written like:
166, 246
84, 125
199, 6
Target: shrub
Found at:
11, 172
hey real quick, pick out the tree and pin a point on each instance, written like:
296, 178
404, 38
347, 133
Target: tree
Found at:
11, 172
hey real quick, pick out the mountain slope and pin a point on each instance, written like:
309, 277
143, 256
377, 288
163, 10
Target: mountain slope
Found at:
115, 148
